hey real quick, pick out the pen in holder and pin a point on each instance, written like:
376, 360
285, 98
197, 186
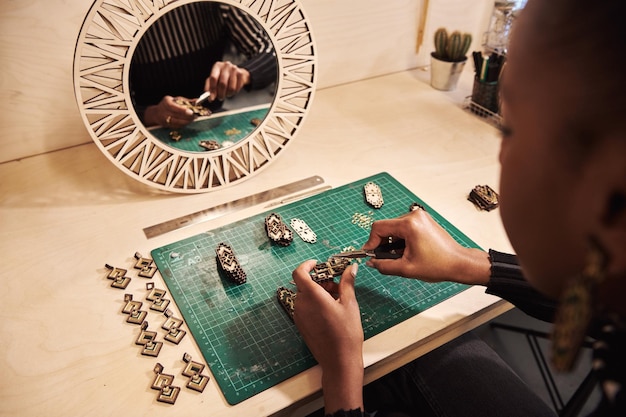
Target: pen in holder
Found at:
485, 99
485, 95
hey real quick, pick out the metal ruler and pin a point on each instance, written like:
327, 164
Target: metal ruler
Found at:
223, 209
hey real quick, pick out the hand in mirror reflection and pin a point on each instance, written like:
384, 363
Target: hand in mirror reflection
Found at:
183, 55
169, 113
226, 80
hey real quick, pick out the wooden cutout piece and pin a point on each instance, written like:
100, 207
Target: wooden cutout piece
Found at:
152, 349
175, 335
136, 317
197, 110
209, 145
118, 276
286, 298
133, 309
484, 197
168, 394
303, 230
130, 305
156, 297
161, 380
326, 271
146, 339
373, 195
115, 272
121, 283
147, 267
229, 264
416, 206
193, 371
163, 383
198, 382
175, 135
277, 230
172, 324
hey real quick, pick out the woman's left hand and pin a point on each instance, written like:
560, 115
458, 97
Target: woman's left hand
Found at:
329, 320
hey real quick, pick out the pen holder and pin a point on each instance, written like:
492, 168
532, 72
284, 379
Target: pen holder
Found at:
485, 94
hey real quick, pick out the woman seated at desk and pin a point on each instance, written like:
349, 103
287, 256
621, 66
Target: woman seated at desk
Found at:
563, 205
181, 56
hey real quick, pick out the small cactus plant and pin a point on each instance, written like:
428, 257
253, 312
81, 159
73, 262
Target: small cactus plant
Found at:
453, 47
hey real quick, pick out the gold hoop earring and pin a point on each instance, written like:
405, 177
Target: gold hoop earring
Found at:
576, 309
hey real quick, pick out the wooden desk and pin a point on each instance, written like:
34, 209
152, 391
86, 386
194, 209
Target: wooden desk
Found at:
66, 350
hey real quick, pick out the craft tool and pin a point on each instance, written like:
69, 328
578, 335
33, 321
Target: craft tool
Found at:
226, 208
487, 68
392, 250
484, 69
478, 61
203, 97
495, 66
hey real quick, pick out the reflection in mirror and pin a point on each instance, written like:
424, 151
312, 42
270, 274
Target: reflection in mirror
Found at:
196, 48
105, 47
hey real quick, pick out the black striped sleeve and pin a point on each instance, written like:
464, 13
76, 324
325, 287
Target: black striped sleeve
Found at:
507, 281
253, 42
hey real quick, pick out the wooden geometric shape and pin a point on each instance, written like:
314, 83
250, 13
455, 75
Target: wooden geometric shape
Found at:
228, 263
303, 230
373, 195
118, 276
286, 298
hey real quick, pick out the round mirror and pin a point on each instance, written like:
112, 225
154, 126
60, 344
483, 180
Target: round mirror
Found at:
146, 81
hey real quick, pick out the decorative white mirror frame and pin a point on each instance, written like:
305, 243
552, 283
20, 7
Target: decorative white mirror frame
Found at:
107, 40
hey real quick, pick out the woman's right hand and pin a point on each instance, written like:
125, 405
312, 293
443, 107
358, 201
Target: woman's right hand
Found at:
431, 254
168, 114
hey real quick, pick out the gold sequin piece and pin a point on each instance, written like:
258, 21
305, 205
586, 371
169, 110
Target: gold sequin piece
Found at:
233, 131
197, 110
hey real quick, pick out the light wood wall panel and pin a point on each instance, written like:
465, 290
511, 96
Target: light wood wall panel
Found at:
356, 39
359, 39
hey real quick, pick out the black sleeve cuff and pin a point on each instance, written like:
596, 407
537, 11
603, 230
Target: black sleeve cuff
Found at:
507, 281
263, 70
357, 412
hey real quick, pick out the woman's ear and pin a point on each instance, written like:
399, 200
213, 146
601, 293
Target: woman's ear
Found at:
613, 217
613, 238
615, 209
614, 225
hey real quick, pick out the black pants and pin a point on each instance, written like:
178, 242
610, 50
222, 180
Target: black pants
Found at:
464, 377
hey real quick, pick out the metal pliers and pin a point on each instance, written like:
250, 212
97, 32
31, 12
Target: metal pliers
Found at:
391, 250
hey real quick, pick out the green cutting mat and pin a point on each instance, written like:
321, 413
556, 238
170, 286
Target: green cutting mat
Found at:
246, 338
212, 128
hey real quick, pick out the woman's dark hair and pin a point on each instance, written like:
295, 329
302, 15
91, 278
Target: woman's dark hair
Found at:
589, 39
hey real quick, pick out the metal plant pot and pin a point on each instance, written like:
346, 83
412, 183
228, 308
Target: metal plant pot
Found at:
445, 75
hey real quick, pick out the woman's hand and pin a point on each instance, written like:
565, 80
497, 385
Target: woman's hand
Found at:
431, 254
329, 320
226, 80
168, 114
